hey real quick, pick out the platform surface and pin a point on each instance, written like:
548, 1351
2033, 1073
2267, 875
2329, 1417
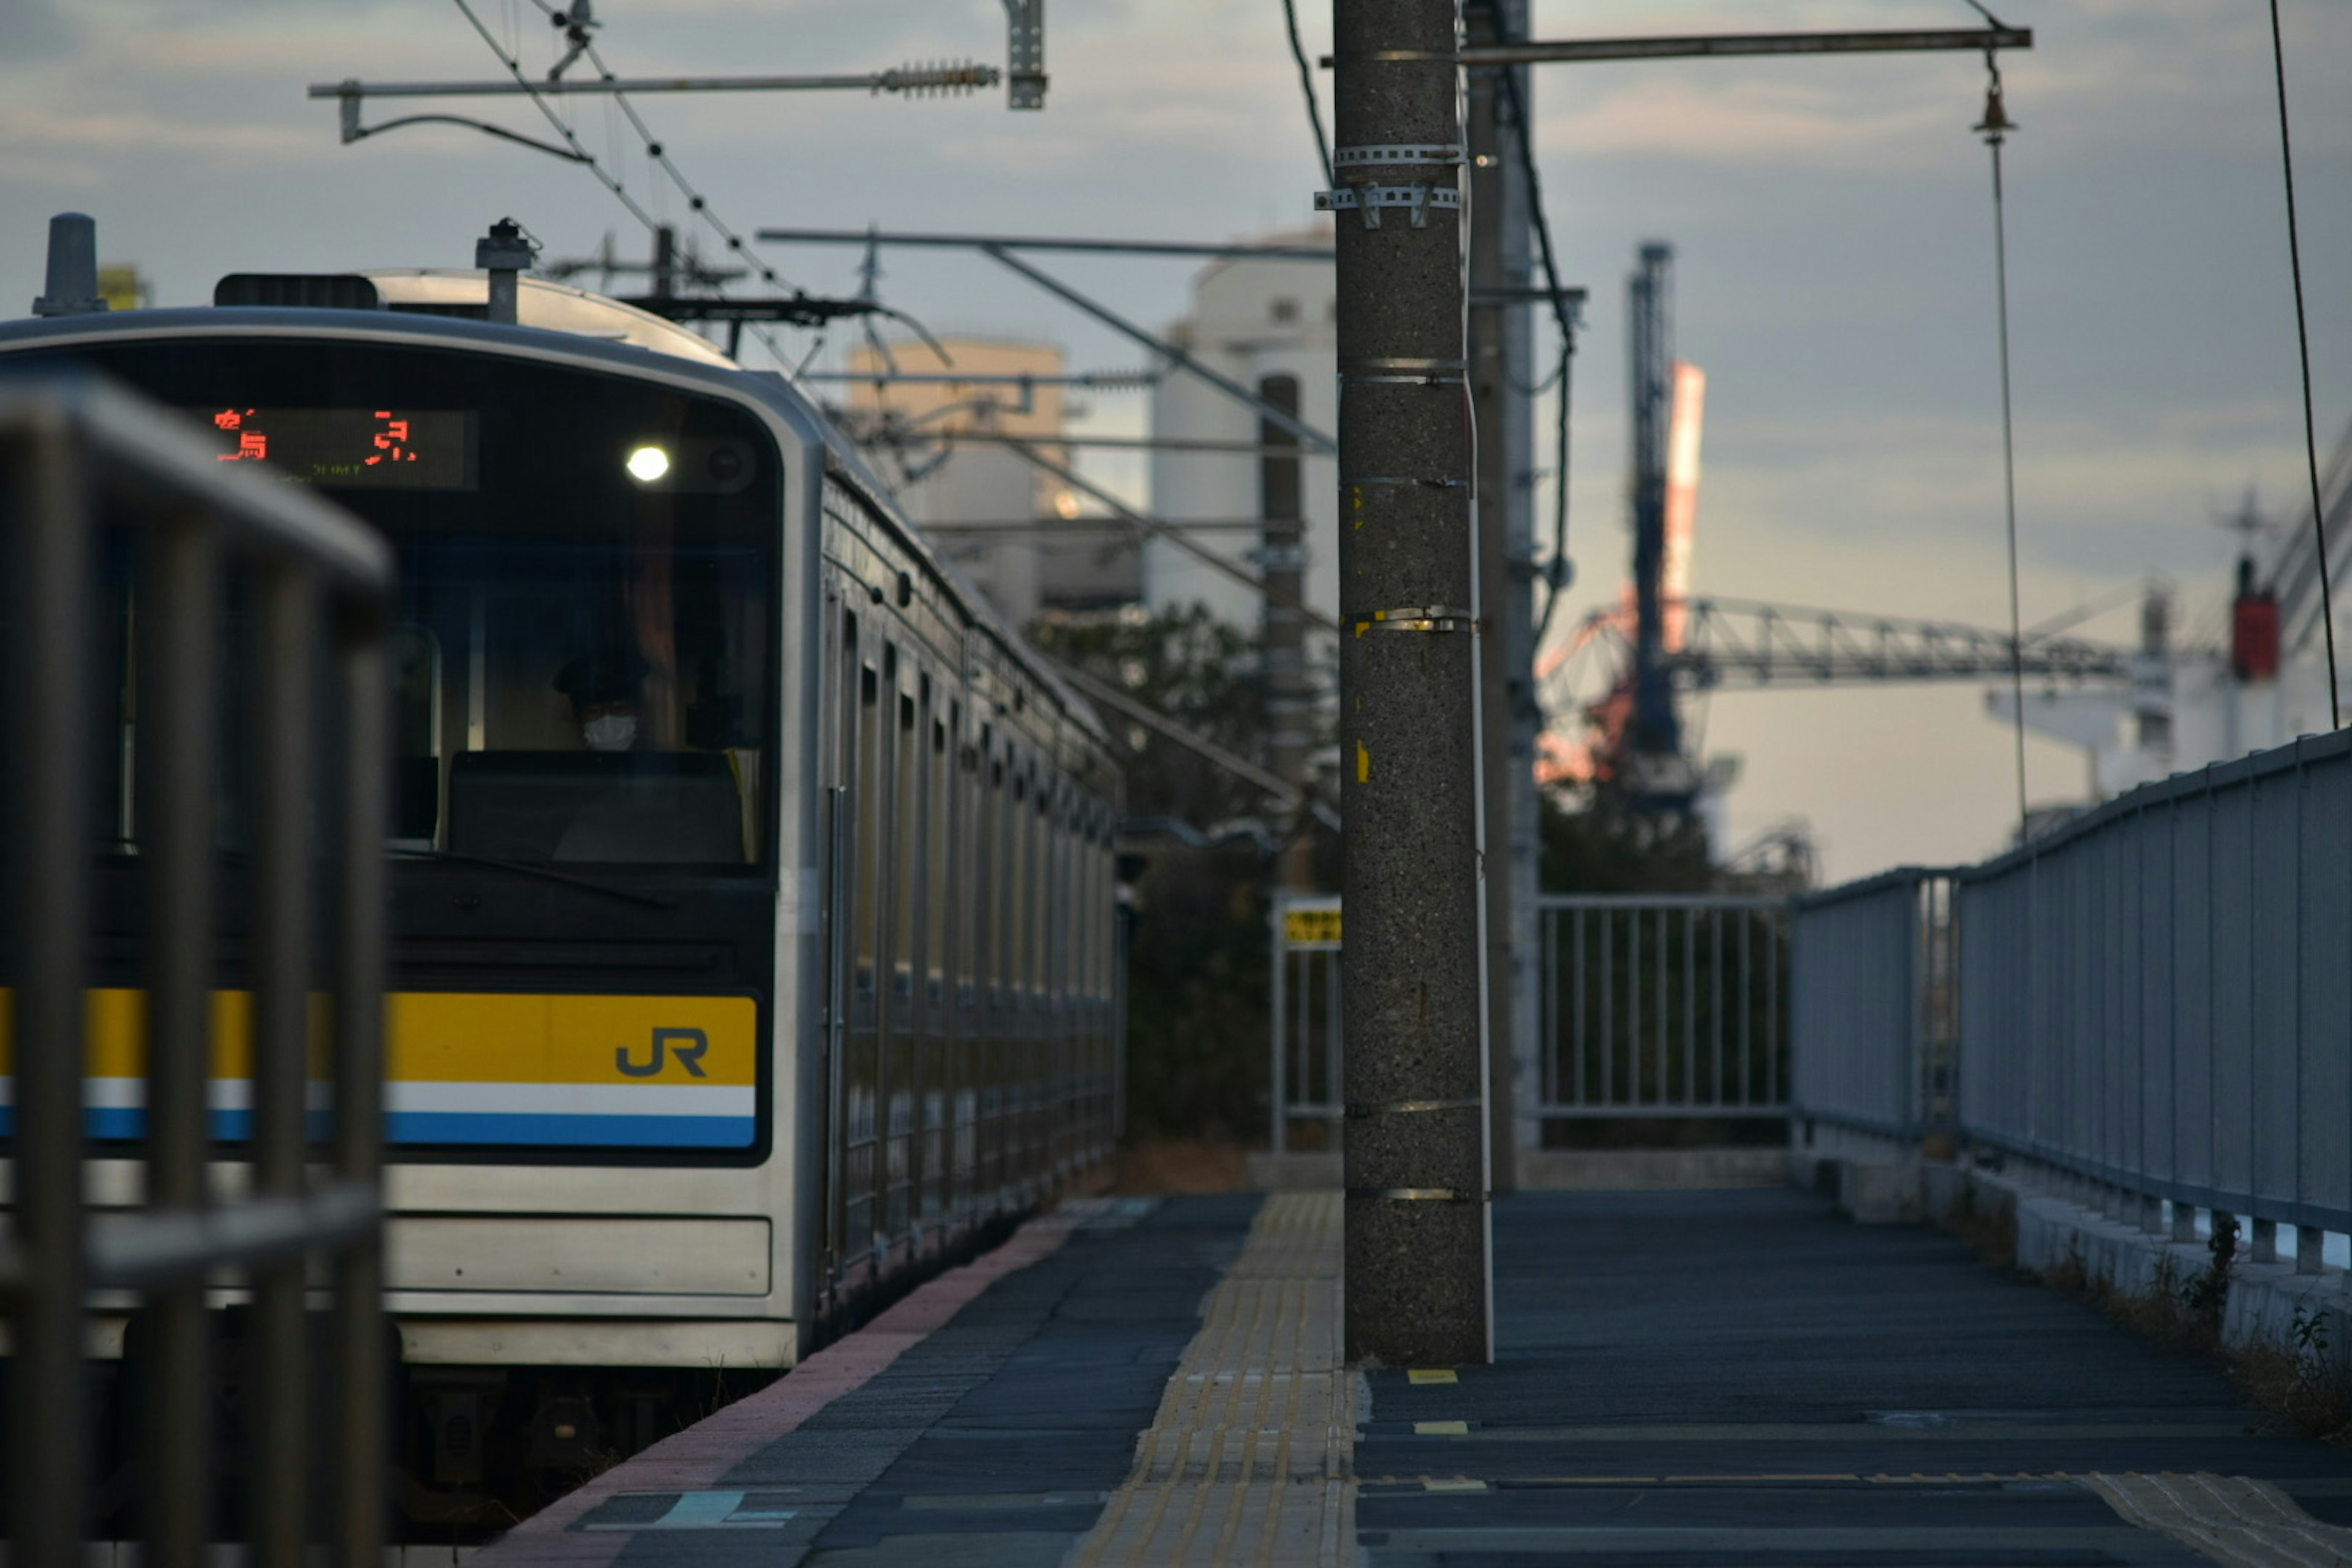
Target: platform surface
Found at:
1683, 1379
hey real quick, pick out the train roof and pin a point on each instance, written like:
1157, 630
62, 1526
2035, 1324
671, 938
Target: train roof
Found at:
570, 326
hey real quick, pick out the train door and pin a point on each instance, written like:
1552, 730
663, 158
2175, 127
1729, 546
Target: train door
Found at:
840, 777
902, 1026
861, 1054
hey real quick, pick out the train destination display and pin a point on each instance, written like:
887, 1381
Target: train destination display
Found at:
352, 449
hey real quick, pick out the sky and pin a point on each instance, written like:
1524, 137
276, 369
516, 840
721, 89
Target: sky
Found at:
1830, 218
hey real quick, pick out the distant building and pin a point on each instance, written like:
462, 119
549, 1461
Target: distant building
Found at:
1014, 530
1251, 320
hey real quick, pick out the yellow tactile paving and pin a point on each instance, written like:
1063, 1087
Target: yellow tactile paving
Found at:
1249, 1459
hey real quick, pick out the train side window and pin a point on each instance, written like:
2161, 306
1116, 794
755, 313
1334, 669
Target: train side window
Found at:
1017, 851
868, 825
905, 847
1000, 881
1041, 855
1087, 929
939, 846
971, 799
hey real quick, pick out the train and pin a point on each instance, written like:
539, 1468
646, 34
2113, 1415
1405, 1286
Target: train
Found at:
753, 939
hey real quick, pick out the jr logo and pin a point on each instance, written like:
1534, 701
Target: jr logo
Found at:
688, 1044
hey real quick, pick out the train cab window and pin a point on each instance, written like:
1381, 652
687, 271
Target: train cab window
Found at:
584, 644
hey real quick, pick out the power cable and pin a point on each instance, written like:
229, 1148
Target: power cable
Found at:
563, 128
1306, 87
1564, 316
1994, 128
654, 152
2303, 345
583, 44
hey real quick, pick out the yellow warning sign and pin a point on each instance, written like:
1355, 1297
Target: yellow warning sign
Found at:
1302, 928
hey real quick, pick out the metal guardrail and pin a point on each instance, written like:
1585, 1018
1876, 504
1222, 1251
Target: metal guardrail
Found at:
1872, 1004
1662, 1005
2157, 999
80, 464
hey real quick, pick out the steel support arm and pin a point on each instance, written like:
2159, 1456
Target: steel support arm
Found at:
1120, 324
1155, 528
1742, 46
1166, 248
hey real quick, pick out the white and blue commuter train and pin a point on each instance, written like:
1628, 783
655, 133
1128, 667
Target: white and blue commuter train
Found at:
753, 937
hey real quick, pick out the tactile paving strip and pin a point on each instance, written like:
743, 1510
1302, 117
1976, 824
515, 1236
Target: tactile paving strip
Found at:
2234, 1520
1249, 1459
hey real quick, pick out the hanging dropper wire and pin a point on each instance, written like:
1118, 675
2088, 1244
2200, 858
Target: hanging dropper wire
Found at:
2302, 343
1994, 128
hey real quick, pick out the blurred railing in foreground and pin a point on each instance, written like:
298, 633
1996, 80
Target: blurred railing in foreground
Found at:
96, 486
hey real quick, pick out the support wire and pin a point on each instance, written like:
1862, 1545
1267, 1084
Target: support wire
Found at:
1306, 87
1564, 317
2303, 345
1994, 128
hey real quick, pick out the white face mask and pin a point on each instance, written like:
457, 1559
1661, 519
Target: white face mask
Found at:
609, 733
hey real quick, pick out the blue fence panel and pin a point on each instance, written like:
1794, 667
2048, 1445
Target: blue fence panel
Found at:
2160, 995
1869, 974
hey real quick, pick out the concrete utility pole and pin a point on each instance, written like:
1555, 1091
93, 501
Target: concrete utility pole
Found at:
1501, 361
1418, 1278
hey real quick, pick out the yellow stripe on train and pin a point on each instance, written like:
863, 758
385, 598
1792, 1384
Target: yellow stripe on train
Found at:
450, 1037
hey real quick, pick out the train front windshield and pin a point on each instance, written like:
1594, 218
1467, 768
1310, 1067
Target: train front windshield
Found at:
582, 648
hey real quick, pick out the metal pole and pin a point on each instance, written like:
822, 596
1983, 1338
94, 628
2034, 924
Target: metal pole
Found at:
1283, 560
181, 567
361, 1369
48, 587
1497, 216
1416, 1232
1061, 245
1741, 46
279, 1347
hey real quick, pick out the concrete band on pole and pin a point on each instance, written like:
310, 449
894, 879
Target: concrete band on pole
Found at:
1416, 1233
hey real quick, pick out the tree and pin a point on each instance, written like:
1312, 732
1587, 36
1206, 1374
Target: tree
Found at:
1198, 976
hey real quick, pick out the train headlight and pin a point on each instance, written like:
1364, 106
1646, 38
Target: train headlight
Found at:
647, 464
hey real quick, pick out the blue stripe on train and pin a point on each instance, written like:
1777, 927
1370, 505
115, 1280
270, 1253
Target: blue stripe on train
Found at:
468, 1127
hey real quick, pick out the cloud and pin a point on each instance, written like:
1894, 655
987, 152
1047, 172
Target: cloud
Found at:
33, 30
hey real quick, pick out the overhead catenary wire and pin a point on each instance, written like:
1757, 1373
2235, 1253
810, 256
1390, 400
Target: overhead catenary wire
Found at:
2303, 347
655, 152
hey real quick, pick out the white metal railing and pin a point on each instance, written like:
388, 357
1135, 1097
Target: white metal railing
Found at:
1655, 1004
2157, 1002
1872, 1017
1668, 1006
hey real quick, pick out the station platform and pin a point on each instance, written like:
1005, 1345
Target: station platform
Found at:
1735, 1377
